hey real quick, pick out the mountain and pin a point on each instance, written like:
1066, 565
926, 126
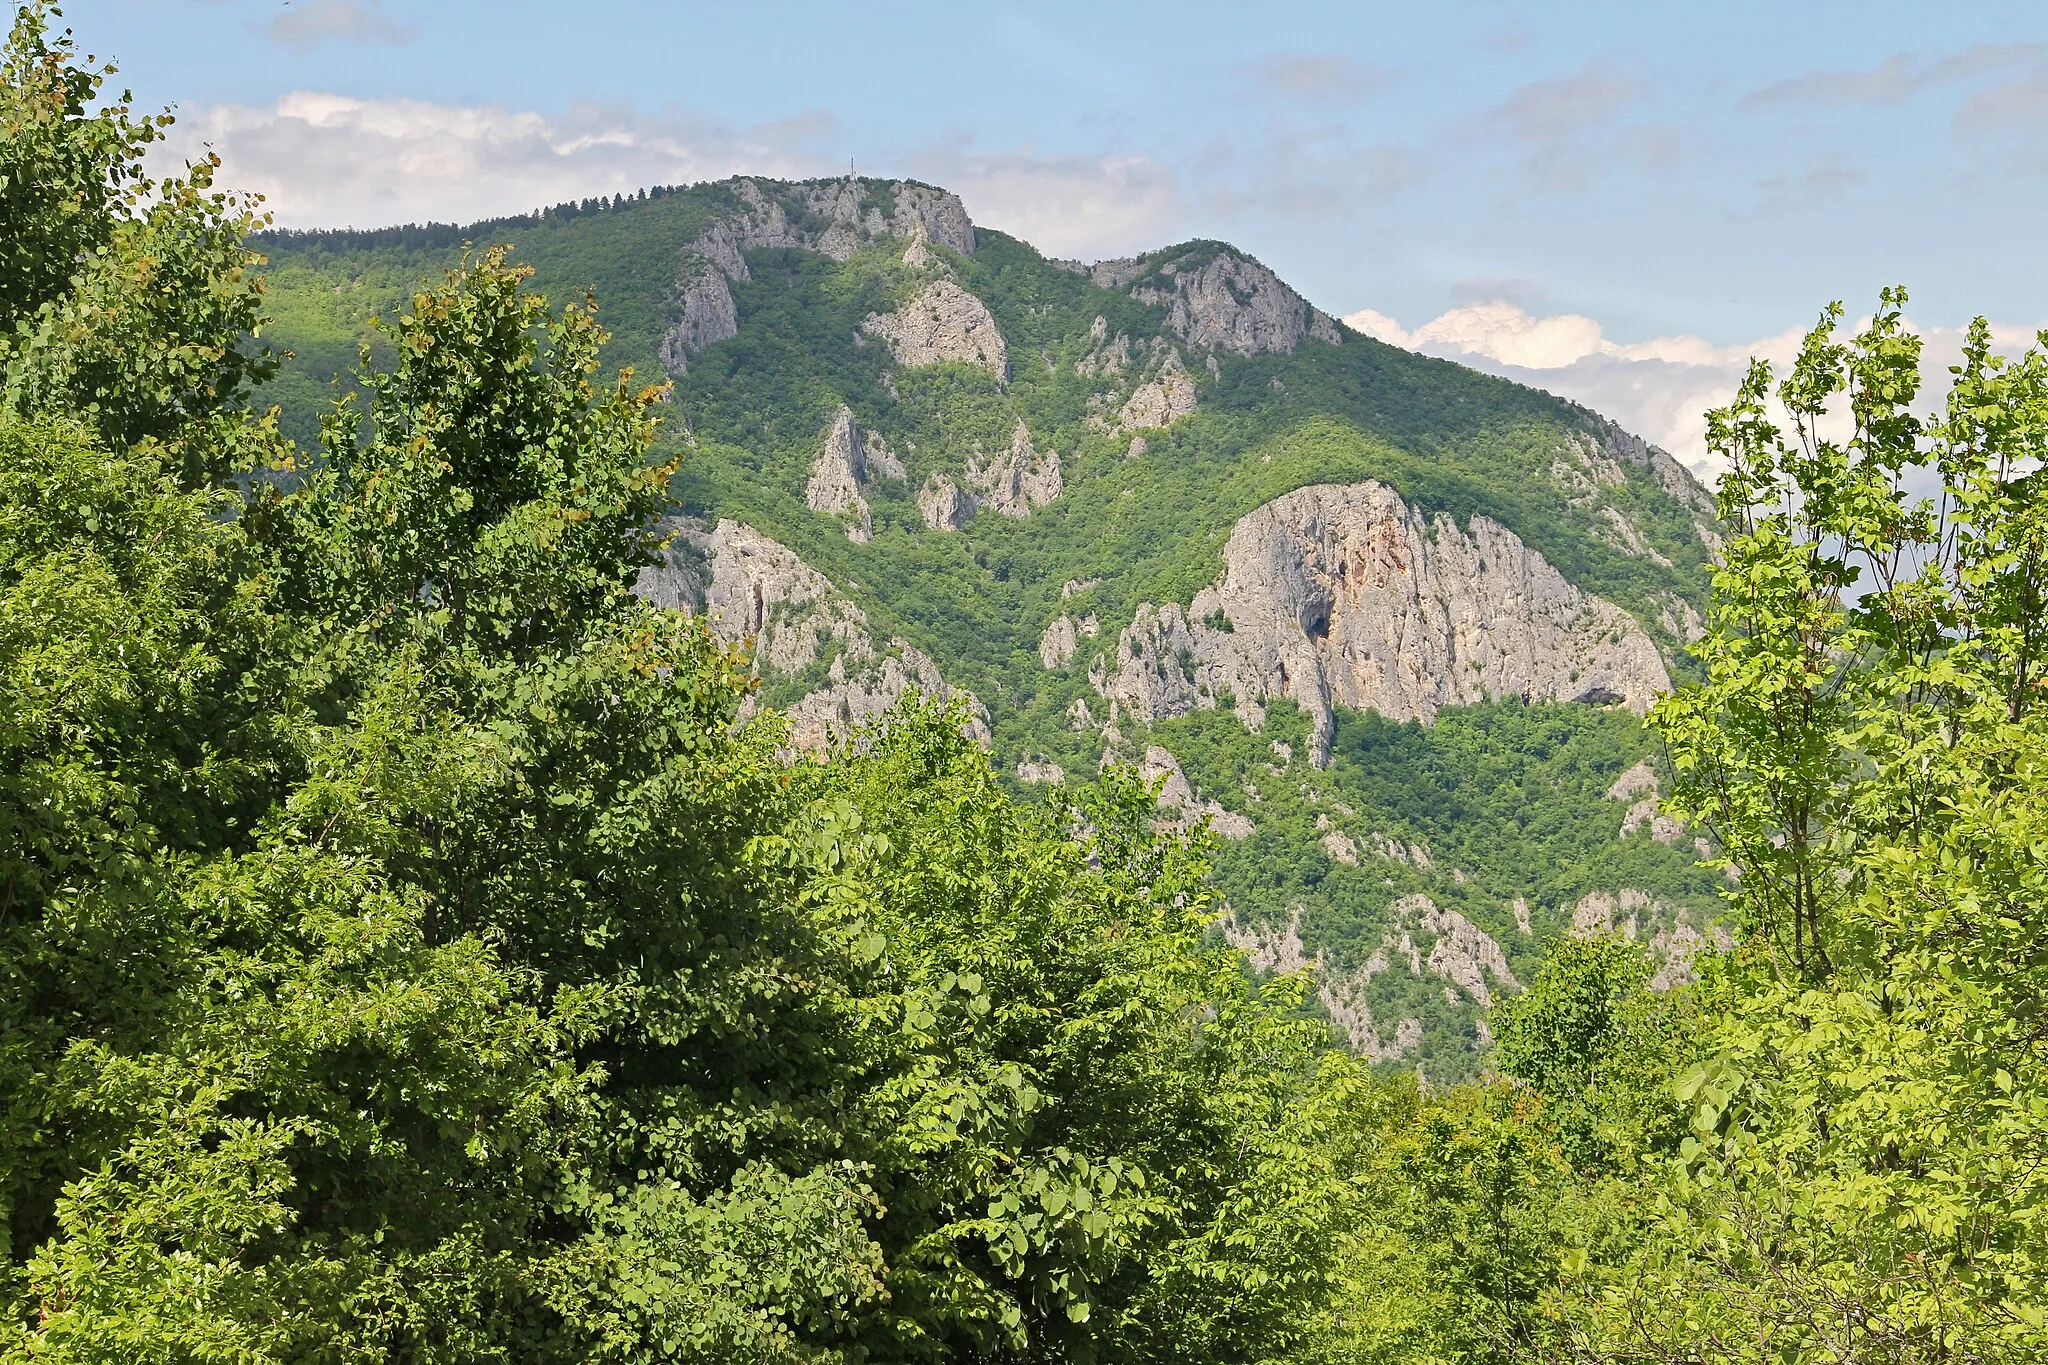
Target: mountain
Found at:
1387, 623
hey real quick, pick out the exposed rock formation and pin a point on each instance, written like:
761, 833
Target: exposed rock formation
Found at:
1343, 595
1160, 400
751, 587
1020, 479
1220, 298
1105, 358
1461, 954
942, 504
1039, 769
833, 217
942, 321
704, 316
1639, 786
1056, 647
840, 472
1176, 795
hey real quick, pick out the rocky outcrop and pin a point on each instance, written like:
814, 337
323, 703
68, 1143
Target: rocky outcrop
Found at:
1018, 481
1159, 401
1461, 954
943, 505
1178, 797
1056, 647
1638, 786
1015, 484
839, 470
1219, 298
1342, 595
1106, 358
1673, 940
942, 321
833, 217
750, 587
704, 315
839, 474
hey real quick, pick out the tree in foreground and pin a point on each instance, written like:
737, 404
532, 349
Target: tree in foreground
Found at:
405, 955
1866, 1165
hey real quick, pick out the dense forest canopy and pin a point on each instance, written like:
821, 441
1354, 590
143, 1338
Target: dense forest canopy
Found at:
409, 953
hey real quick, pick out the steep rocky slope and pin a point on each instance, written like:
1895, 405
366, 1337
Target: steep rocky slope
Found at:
1385, 624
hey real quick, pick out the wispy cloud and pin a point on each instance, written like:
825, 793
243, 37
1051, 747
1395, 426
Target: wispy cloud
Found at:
1555, 122
1660, 389
309, 23
1322, 78
1089, 207
1895, 80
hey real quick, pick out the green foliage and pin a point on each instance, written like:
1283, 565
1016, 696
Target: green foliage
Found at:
1866, 1124
405, 954
124, 301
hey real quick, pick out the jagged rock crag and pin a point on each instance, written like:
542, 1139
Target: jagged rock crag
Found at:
1343, 595
751, 587
942, 321
833, 217
839, 474
1461, 954
1219, 298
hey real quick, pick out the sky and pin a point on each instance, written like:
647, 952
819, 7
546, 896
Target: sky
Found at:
1617, 202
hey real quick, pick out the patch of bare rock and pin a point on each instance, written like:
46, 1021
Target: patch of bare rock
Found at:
1014, 483
1342, 595
749, 587
1461, 954
1177, 798
839, 474
833, 217
1218, 298
942, 321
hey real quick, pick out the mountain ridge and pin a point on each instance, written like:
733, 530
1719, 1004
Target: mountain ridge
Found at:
1017, 478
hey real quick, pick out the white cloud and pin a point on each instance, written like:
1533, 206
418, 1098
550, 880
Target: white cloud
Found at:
1090, 207
1659, 389
326, 160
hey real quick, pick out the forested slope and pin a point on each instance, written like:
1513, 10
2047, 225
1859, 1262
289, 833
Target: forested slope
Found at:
1018, 512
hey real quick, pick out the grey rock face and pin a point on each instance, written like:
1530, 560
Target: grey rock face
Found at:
1178, 800
840, 469
751, 587
1461, 954
1343, 595
943, 322
839, 474
1019, 480
942, 505
833, 217
705, 316
1221, 299
1159, 401
1056, 647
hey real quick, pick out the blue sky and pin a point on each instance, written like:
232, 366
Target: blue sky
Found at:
1624, 198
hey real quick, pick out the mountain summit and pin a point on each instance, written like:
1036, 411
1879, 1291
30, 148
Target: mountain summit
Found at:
1387, 624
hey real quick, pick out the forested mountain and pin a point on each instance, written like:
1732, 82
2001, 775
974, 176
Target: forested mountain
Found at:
1389, 623
427, 939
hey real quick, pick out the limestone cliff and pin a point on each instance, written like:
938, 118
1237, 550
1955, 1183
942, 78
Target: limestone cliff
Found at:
832, 217
750, 587
839, 473
1342, 595
942, 321
1219, 298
